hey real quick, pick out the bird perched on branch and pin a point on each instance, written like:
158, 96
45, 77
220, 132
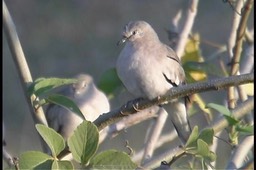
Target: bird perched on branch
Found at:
91, 101
148, 69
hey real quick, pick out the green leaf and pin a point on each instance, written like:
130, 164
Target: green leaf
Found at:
54, 140
233, 137
62, 165
192, 138
202, 148
223, 110
207, 136
248, 129
220, 108
112, 159
35, 160
84, 142
43, 85
109, 81
204, 151
212, 156
65, 102
231, 120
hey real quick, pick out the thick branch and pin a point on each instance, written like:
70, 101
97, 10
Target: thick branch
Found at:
175, 92
20, 62
240, 153
21, 65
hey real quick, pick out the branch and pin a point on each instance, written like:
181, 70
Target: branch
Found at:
7, 157
175, 92
191, 14
249, 36
21, 65
168, 137
173, 33
155, 132
246, 66
247, 62
240, 153
128, 121
236, 20
213, 148
238, 49
239, 37
248, 165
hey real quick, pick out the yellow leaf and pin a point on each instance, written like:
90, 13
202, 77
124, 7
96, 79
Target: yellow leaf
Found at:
192, 51
249, 89
198, 76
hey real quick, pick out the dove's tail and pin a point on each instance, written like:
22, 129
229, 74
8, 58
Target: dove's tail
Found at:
178, 115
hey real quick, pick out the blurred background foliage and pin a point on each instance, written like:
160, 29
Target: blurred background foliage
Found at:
63, 38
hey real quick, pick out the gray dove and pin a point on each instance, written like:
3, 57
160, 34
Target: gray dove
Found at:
148, 69
91, 101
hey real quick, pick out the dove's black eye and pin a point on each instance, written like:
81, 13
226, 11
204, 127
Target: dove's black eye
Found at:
134, 32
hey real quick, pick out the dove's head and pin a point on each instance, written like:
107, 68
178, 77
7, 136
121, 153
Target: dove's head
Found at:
84, 83
137, 30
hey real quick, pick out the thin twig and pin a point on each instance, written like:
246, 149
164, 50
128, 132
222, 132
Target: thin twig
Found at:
247, 62
249, 36
231, 44
154, 135
236, 20
240, 35
168, 137
238, 49
173, 32
213, 148
7, 157
190, 17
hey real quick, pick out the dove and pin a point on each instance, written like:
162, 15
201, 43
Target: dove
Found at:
148, 69
91, 101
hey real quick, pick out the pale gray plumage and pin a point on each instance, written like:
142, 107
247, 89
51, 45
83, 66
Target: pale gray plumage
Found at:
90, 100
148, 68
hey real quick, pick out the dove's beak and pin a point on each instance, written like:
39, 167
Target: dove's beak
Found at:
123, 40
